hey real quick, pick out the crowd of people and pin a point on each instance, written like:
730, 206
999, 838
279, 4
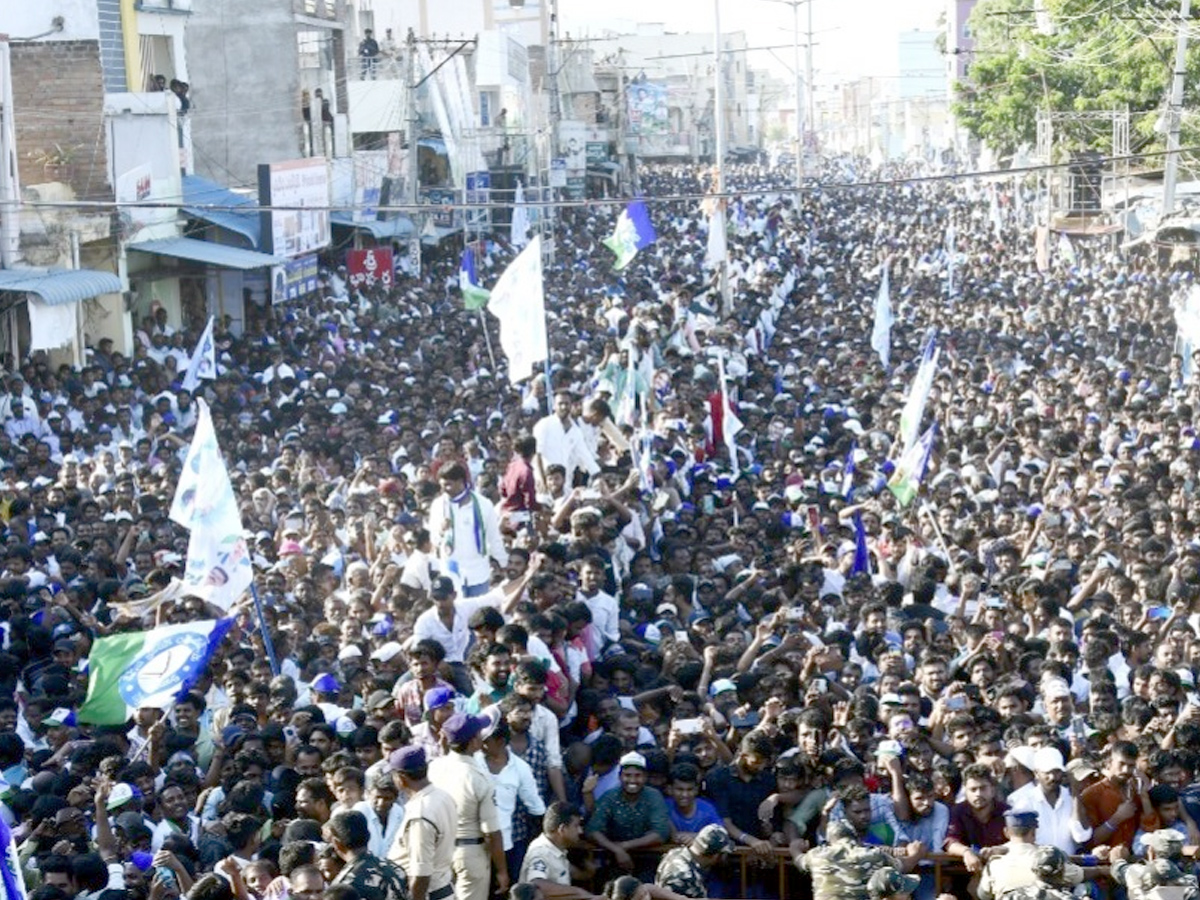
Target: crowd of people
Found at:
583, 636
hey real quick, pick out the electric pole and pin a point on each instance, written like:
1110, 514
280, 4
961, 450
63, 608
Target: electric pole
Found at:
413, 189
1175, 112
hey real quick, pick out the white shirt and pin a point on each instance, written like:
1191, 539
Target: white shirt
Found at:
514, 781
606, 614
383, 834
453, 529
166, 828
1057, 825
453, 640
563, 446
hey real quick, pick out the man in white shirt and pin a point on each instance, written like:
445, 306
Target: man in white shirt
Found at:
560, 441
1057, 822
447, 622
383, 810
606, 612
511, 776
466, 530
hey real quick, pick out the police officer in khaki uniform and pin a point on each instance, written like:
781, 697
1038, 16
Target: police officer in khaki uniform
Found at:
424, 847
478, 842
1014, 867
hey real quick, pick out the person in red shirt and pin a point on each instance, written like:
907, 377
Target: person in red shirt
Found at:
1114, 805
978, 821
518, 488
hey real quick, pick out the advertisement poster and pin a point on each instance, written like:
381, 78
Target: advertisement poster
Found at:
295, 198
572, 143
648, 109
294, 279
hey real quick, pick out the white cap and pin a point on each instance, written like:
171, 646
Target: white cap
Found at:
633, 759
387, 652
1048, 759
350, 652
1021, 756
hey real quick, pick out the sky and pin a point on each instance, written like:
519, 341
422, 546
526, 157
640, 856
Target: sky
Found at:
851, 38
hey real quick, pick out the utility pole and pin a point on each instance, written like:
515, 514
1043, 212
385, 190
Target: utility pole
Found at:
1171, 172
811, 119
796, 85
413, 189
719, 129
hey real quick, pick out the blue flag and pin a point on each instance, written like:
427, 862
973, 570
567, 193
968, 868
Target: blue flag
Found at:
862, 558
10, 866
634, 231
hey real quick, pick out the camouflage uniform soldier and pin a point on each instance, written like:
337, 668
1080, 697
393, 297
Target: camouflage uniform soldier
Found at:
841, 869
891, 884
1160, 878
682, 869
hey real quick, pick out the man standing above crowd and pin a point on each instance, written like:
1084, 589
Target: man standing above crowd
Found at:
560, 442
464, 527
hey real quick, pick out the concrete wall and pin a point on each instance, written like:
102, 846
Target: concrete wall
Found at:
80, 23
244, 67
58, 98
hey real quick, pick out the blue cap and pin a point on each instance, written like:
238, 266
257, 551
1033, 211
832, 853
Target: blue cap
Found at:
461, 727
1021, 818
325, 684
407, 759
437, 697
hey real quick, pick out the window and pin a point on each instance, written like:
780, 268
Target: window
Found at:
157, 58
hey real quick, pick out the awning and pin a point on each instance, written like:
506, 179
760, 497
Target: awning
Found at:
435, 234
387, 229
199, 194
209, 253
59, 286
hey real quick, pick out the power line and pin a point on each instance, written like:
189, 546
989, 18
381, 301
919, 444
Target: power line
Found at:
594, 203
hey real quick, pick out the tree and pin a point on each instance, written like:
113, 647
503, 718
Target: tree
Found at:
1071, 55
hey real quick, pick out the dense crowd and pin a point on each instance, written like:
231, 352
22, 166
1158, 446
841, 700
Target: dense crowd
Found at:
581, 635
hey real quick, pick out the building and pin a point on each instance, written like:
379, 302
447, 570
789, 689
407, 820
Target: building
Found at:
960, 53
529, 21
272, 86
659, 89
101, 131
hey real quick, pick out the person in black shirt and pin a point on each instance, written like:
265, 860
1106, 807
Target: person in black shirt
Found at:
740, 787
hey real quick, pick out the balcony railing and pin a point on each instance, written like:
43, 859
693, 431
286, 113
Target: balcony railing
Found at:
319, 9
176, 6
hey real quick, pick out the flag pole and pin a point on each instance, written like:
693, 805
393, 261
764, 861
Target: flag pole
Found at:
266, 632
488, 339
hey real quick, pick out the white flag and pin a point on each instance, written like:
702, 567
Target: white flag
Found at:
519, 303
718, 250
918, 394
204, 360
218, 562
519, 232
951, 241
730, 423
881, 334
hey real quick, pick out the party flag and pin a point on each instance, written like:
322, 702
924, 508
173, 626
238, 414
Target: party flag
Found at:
634, 231
153, 668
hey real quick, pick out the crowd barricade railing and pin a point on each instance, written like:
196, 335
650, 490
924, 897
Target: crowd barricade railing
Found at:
781, 870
